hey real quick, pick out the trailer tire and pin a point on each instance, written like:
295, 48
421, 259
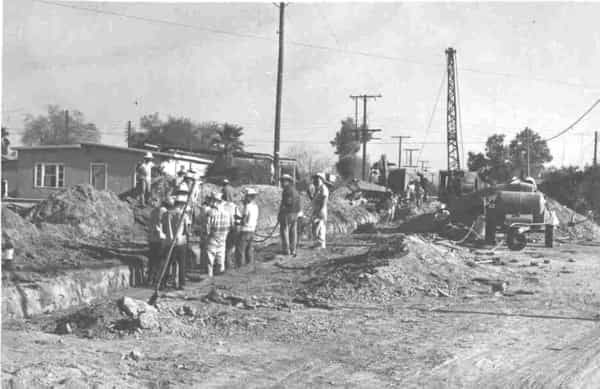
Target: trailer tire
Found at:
516, 240
549, 236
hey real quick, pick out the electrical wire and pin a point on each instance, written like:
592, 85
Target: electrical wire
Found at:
574, 123
312, 46
435, 105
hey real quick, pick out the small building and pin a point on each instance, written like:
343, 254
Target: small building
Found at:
41, 170
9, 176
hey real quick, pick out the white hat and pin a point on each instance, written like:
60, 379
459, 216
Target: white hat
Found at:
190, 174
286, 177
225, 181
250, 192
321, 176
148, 155
181, 198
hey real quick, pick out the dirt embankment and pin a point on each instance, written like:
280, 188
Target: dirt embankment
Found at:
572, 224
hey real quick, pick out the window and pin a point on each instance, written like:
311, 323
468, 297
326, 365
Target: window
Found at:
98, 175
49, 175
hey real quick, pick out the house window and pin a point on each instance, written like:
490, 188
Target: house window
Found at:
49, 175
98, 176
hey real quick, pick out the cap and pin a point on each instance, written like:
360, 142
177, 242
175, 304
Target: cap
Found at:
321, 176
148, 155
286, 177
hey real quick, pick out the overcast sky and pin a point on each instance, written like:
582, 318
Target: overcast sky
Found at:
101, 64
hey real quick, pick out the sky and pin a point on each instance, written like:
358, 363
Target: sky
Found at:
518, 64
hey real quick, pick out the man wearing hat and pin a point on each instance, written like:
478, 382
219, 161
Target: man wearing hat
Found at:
144, 178
218, 225
289, 210
179, 236
319, 208
248, 221
227, 191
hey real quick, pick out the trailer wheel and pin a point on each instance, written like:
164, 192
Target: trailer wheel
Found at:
549, 236
516, 240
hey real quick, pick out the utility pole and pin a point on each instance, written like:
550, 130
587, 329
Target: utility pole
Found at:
129, 133
400, 137
410, 156
364, 130
595, 148
528, 151
278, 95
66, 135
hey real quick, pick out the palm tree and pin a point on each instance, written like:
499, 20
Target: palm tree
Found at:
228, 141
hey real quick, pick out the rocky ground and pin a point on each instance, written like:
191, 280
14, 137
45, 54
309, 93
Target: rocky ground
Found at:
379, 309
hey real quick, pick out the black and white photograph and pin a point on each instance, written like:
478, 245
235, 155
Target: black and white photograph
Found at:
323, 194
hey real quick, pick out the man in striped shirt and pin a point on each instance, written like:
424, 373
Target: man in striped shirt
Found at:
219, 222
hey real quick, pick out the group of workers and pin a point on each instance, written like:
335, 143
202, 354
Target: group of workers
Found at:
225, 230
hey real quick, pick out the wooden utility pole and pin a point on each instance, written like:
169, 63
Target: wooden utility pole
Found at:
129, 133
278, 95
364, 130
400, 137
410, 156
66, 135
595, 148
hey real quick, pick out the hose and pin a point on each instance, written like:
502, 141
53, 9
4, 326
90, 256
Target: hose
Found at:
268, 236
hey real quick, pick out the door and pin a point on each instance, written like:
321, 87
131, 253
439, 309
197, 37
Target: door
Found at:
98, 176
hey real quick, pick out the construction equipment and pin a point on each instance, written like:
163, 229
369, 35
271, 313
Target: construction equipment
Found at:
167, 262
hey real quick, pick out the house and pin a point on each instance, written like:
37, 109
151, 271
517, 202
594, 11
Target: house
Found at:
9, 176
41, 170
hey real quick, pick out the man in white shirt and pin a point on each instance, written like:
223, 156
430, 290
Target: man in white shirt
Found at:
248, 221
144, 178
319, 207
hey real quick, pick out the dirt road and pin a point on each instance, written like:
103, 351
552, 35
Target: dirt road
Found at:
351, 316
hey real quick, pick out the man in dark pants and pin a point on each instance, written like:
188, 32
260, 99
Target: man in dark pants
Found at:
247, 222
288, 215
172, 218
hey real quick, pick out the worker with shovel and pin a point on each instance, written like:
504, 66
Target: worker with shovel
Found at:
178, 236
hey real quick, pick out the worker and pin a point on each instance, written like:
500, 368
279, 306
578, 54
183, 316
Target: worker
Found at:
319, 208
388, 206
178, 237
144, 178
156, 237
248, 221
218, 225
419, 194
289, 210
232, 209
227, 190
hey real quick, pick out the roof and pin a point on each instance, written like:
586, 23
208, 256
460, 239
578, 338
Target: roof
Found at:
176, 155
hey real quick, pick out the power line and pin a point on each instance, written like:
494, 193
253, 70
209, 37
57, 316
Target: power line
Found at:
575, 122
437, 101
313, 46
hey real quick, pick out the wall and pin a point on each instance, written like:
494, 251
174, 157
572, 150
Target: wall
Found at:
9, 173
120, 168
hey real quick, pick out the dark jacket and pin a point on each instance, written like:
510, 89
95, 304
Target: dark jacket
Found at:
290, 201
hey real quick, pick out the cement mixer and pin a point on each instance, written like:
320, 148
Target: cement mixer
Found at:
519, 212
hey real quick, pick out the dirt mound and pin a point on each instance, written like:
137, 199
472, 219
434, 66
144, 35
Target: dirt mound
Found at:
583, 229
93, 213
396, 266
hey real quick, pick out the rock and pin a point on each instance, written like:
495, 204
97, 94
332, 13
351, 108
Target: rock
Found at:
133, 308
148, 320
135, 355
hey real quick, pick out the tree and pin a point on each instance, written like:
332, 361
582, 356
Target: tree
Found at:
347, 139
228, 140
502, 161
347, 145
175, 132
52, 128
5, 141
308, 162
528, 141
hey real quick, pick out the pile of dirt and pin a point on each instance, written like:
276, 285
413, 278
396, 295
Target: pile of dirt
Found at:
396, 266
583, 229
91, 212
